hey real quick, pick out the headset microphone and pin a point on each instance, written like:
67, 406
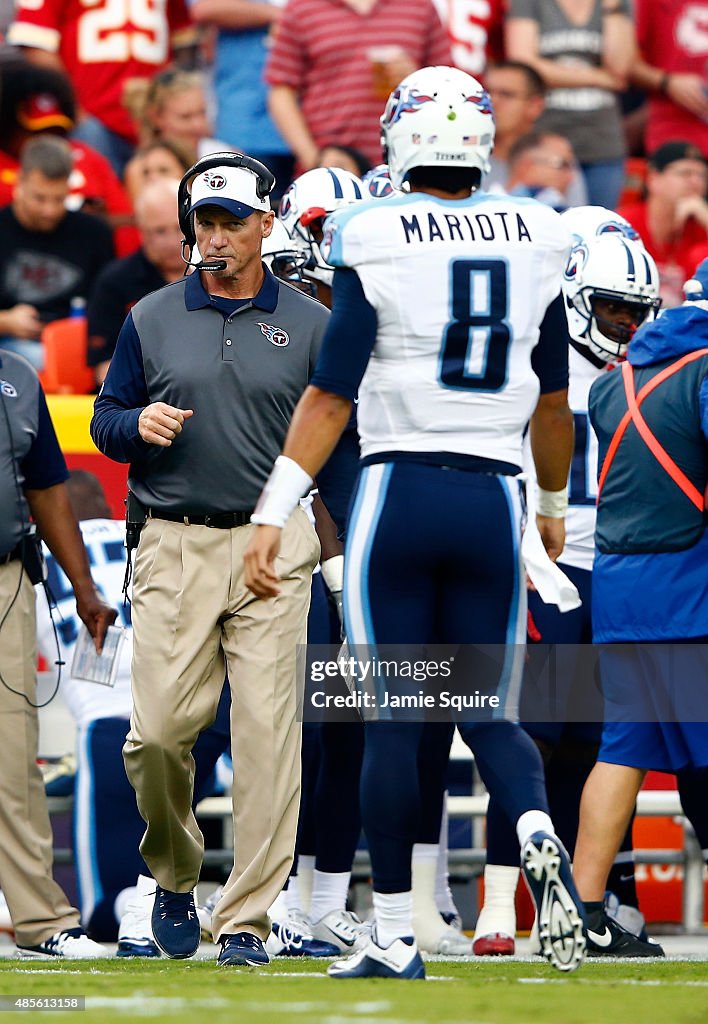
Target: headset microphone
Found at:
210, 268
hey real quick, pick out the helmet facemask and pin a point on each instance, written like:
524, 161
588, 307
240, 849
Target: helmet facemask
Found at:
609, 269
304, 207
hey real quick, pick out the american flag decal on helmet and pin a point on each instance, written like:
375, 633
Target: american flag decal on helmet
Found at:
275, 335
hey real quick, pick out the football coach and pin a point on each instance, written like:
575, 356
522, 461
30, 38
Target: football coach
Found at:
206, 374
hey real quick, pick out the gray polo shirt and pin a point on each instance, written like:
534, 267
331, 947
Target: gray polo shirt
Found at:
30, 456
241, 373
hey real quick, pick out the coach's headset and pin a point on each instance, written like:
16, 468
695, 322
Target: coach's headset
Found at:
265, 181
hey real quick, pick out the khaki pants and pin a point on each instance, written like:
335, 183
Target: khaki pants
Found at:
38, 907
192, 618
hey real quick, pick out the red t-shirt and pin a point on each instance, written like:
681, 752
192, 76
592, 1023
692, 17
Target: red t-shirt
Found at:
476, 32
676, 261
673, 36
102, 44
320, 51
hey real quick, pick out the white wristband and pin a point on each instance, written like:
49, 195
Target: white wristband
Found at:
333, 573
553, 504
285, 486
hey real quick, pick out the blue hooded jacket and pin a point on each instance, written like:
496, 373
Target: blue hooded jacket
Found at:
657, 597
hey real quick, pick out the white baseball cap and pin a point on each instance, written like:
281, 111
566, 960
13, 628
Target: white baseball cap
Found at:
233, 188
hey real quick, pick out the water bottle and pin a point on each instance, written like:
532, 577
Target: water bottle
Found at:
77, 307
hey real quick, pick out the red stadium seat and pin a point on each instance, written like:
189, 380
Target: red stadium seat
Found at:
635, 176
65, 371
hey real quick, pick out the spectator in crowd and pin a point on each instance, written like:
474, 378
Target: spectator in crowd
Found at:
541, 166
476, 32
243, 34
321, 69
33, 483
583, 52
49, 255
517, 94
346, 157
172, 107
651, 540
7, 14
122, 283
36, 100
101, 47
673, 51
673, 219
158, 159
184, 358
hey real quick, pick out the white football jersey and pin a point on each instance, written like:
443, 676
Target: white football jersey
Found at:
105, 544
579, 547
460, 290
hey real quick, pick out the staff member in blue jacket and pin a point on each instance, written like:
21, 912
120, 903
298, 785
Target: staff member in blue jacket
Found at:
198, 397
650, 589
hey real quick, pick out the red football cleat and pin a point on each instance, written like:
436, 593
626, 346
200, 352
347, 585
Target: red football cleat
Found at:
496, 944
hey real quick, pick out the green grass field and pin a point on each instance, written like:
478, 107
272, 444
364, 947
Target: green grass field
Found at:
297, 991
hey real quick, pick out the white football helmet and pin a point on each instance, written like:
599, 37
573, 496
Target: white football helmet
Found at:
377, 183
617, 269
437, 117
586, 221
282, 257
304, 206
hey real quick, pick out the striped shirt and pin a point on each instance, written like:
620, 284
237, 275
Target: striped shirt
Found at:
320, 51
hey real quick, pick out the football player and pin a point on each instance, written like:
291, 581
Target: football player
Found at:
437, 930
330, 822
610, 287
448, 320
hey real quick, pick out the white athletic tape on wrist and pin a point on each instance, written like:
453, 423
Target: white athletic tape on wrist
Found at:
553, 504
285, 486
333, 573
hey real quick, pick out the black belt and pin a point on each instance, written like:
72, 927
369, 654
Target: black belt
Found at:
217, 520
12, 556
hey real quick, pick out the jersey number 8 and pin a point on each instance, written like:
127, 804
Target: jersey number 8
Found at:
475, 348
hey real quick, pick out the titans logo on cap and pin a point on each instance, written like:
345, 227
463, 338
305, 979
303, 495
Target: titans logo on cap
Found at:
215, 180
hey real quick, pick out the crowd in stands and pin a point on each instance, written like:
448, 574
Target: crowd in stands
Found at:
596, 101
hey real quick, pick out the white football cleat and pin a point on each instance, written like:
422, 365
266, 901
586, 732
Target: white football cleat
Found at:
135, 936
440, 938
299, 922
71, 944
287, 941
399, 960
343, 929
206, 909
